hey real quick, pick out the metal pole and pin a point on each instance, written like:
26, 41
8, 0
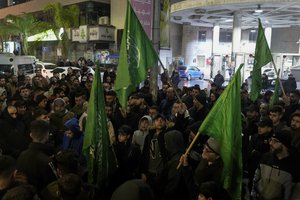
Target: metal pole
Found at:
156, 44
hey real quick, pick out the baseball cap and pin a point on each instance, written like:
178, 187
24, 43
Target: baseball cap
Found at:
284, 136
265, 122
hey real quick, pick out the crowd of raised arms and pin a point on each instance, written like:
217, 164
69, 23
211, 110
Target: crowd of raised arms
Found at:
42, 123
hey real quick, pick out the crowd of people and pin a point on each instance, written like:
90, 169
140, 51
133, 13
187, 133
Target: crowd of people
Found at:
43, 120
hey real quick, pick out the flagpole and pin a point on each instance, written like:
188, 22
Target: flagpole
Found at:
169, 81
188, 149
277, 73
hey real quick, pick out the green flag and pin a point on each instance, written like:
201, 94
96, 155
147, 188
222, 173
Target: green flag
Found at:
224, 124
262, 57
275, 96
137, 56
100, 156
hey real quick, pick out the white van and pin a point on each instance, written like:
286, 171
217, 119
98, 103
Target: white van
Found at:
17, 64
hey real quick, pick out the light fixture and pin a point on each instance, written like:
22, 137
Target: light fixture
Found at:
252, 30
258, 10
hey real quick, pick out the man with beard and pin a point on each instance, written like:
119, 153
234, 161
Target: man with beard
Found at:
295, 130
13, 139
292, 105
277, 170
58, 118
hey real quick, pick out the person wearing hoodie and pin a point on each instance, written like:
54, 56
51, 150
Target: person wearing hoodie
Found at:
139, 135
174, 187
13, 139
58, 118
73, 137
128, 155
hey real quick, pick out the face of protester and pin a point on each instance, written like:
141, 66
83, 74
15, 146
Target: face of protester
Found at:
159, 123
2, 82
202, 197
38, 73
175, 108
59, 108
251, 115
109, 111
262, 130
69, 134
123, 137
25, 93
79, 101
110, 100
275, 117
294, 99
263, 109
195, 92
170, 93
275, 145
212, 97
152, 113
295, 123
14, 79
75, 82
209, 155
43, 103
27, 80
67, 100
21, 110
43, 118
12, 111
144, 125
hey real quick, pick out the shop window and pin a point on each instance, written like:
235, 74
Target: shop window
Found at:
225, 36
202, 36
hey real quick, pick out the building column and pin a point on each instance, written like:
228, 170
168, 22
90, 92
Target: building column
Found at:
187, 48
236, 35
268, 34
215, 43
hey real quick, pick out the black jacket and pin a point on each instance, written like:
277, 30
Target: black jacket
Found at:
35, 164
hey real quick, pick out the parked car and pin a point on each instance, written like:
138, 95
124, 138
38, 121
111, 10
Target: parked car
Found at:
190, 72
46, 68
17, 64
64, 70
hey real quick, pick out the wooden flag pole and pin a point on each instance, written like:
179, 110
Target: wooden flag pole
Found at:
188, 149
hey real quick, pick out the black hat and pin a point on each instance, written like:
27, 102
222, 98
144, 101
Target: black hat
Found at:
284, 136
265, 122
125, 130
159, 116
201, 99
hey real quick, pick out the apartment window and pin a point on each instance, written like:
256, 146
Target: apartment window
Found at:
225, 36
202, 36
252, 35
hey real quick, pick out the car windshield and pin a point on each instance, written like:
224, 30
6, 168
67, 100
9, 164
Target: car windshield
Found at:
182, 68
50, 66
26, 68
4, 68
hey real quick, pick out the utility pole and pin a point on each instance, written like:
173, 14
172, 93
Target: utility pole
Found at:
156, 45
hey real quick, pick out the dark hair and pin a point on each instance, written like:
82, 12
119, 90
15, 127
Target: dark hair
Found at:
69, 186
277, 109
37, 112
39, 129
57, 90
111, 93
67, 161
7, 165
21, 192
214, 190
124, 129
